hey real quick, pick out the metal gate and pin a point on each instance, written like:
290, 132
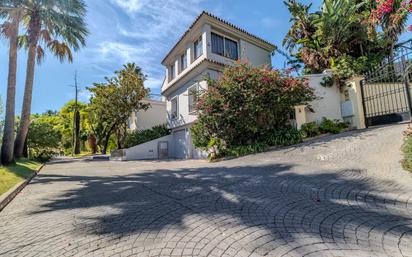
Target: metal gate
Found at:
386, 94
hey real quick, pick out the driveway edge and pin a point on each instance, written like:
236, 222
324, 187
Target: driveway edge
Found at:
7, 197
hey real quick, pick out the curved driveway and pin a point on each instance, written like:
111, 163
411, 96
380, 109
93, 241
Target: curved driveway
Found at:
343, 195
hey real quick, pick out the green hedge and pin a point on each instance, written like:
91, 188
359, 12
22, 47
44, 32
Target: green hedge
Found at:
142, 136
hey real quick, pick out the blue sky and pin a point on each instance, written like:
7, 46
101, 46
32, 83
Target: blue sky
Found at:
140, 31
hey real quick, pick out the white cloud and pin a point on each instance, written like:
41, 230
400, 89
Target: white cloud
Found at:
144, 32
129, 5
124, 52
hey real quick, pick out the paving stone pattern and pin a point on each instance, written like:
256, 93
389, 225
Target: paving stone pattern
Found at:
343, 195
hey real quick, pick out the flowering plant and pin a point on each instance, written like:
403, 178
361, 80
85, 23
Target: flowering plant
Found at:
246, 105
390, 8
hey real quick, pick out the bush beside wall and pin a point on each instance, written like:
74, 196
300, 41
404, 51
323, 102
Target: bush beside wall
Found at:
142, 136
247, 109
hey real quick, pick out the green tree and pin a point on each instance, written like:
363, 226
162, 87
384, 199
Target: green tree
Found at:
66, 115
60, 27
11, 12
113, 102
338, 34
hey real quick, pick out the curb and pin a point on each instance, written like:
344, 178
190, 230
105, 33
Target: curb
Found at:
7, 197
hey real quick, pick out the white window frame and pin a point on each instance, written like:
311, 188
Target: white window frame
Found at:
174, 117
200, 39
224, 45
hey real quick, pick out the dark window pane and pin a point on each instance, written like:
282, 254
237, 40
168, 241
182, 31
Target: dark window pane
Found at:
172, 72
183, 62
217, 44
231, 49
174, 108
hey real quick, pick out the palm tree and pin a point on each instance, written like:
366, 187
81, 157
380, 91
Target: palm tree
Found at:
10, 11
58, 25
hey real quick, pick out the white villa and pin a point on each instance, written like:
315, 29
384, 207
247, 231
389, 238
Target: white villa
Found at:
204, 49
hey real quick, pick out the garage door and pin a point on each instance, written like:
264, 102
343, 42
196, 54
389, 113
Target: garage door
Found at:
180, 144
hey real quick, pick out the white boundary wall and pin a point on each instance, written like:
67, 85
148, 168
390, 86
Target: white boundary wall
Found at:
327, 104
147, 151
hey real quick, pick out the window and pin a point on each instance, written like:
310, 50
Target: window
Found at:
193, 97
218, 45
224, 46
172, 72
174, 112
183, 61
198, 47
231, 49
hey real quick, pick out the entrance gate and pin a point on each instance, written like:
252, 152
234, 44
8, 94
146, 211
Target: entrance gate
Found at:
386, 96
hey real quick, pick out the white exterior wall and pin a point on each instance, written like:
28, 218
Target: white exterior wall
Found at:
149, 150
254, 55
189, 49
355, 95
327, 105
155, 115
182, 93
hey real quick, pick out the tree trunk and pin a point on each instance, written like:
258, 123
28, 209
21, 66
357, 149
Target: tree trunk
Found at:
26, 150
7, 147
107, 138
26, 108
106, 143
76, 132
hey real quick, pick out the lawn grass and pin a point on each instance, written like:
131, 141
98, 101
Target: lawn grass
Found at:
13, 174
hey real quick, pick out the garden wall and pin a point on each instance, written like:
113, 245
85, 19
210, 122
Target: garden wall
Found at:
327, 104
146, 151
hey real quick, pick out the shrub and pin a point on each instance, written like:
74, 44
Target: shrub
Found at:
310, 129
332, 126
142, 136
238, 151
285, 137
407, 150
246, 106
43, 141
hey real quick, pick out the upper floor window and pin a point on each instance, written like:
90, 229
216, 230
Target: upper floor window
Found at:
193, 97
174, 112
198, 45
172, 72
224, 46
183, 61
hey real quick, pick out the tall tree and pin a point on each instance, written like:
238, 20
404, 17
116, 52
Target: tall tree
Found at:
338, 36
58, 25
113, 102
11, 12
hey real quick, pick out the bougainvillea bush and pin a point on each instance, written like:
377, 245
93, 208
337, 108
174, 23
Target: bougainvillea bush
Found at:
246, 106
391, 12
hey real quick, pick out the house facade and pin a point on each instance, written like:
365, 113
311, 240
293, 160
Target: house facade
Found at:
203, 51
147, 119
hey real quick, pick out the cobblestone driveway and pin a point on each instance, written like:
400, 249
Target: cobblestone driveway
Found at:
340, 196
